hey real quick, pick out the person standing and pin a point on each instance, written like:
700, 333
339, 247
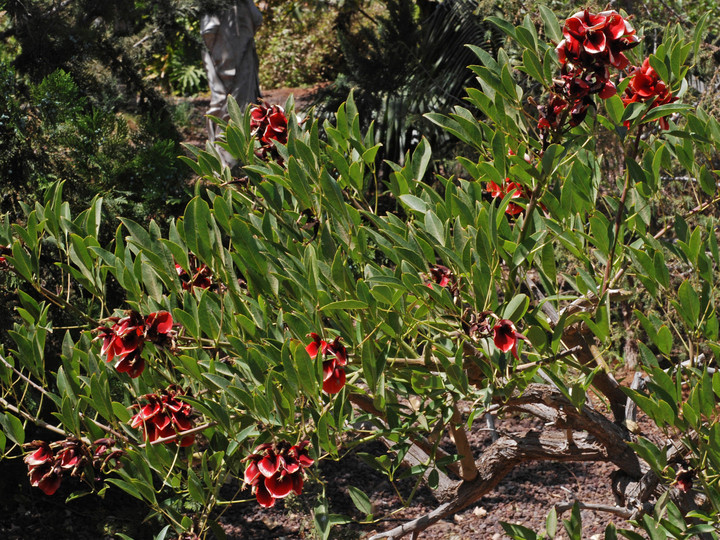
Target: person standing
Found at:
230, 59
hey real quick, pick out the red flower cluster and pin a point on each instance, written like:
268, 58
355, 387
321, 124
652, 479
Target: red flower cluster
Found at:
126, 338
199, 276
47, 467
508, 187
268, 124
334, 358
274, 471
506, 336
646, 85
164, 415
592, 42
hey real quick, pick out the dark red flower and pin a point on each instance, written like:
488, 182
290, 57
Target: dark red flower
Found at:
73, 455
125, 340
164, 415
199, 275
268, 124
684, 479
513, 188
41, 455
595, 40
645, 85
505, 336
47, 477
44, 468
335, 358
440, 275
274, 471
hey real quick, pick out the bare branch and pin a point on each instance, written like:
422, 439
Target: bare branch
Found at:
619, 511
494, 464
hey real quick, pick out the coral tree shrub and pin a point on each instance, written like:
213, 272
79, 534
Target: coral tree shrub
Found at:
436, 292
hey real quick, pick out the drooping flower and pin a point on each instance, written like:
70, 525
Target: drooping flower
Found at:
73, 455
47, 477
199, 275
44, 468
276, 470
334, 359
441, 275
47, 467
506, 336
515, 191
268, 124
646, 85
594, 40
125, 339
164, 415
684, 479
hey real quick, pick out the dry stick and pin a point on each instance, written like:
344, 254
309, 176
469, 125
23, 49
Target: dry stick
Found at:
366, 404
619, 511
179, 434
587, 354
32, 419
494, 464
464, 450
602, 442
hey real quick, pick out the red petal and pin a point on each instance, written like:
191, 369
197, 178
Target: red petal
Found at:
51, 484
297, 483
608, 90
335, 383
269, 465
504, 335
595, 43
279, 485
263, 496
252, 473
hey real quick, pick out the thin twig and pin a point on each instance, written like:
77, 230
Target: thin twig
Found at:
35, 421
620, 511
180, 434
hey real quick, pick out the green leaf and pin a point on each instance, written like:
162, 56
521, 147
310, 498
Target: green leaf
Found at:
615, 108
360, 500
664, 339
516, 308
552, 26
415, 203
435, 227
518, 532
690, 303
345, 304
13, 428
551, 523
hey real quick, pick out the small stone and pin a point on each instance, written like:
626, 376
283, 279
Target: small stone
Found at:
458, 518
497, 536
480, 511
